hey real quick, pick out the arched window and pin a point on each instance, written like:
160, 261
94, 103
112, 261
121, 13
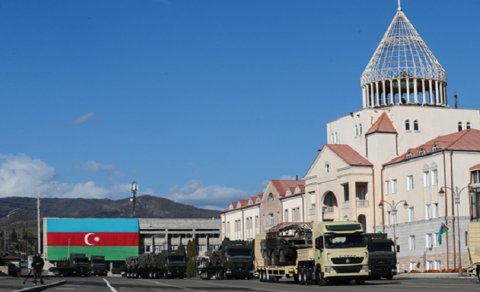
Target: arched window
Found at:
356, 130
421, 152
460, 126
407, 125
409, 155
415, 125
360, 131
468, 125
434, 148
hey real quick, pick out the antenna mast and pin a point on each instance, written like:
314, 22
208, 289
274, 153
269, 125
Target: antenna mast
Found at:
399, 5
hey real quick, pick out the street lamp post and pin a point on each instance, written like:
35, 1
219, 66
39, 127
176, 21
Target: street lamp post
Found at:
133, 189
456, 195
393, 209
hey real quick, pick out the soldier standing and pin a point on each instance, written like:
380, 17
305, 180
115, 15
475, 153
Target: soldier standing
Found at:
37, 266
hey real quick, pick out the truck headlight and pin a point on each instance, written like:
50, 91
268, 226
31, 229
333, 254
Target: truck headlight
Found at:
365, 268
328, 270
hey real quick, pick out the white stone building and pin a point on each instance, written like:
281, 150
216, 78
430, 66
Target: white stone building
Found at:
401, 164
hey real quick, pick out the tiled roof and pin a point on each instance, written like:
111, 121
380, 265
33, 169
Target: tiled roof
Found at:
475, 167
382, 125
467, 140
283, 185
347, 154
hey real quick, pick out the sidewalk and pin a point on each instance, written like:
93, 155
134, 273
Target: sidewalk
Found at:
433, 276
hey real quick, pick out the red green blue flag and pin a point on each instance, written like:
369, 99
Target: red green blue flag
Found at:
443, 229
115, 239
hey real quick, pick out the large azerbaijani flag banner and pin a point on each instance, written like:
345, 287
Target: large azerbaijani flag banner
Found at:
115, 239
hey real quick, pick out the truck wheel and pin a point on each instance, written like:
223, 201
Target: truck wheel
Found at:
389, 277
301, 276
319, 278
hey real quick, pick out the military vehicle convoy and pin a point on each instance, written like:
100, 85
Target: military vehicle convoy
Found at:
382, 256
232, 260
318, 252
167, 264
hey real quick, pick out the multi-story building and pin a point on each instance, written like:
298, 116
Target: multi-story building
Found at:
402, 163
245, 218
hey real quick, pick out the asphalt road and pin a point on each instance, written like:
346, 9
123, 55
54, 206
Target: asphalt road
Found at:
112, 284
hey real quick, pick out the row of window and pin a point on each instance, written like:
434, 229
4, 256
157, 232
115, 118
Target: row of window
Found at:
430, 178
416, 127
430, 265
431, 211
463, 126
295, 215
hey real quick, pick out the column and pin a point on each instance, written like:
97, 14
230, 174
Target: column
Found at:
441, 94
437, 96
415, 90
408, 89
423, 91
392, 94
364, 98
384, 99
377, 95
399, 91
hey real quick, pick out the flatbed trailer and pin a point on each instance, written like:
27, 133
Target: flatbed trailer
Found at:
319, 252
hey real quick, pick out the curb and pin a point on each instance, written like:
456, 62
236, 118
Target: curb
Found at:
41, 287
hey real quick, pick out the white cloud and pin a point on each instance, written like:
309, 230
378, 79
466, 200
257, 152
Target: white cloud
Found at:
196, 194
21, 175
83, 119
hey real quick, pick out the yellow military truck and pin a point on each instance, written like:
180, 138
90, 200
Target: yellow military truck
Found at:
317, 252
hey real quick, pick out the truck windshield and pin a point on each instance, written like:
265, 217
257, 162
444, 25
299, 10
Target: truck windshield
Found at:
344, 240
234, 252
81, 260
176, 259
386, 247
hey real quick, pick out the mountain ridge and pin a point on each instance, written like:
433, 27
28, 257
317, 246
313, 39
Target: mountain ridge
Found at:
147, 206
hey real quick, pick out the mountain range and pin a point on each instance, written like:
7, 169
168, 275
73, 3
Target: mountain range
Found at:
147, 206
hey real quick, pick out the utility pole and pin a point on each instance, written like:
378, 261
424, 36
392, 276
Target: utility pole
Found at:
38, 224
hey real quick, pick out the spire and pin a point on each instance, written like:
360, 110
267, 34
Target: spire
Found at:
403, 69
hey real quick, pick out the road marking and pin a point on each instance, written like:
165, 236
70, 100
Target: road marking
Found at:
174, 286
254, 288
109, 286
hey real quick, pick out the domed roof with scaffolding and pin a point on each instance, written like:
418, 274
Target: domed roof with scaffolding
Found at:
403, 70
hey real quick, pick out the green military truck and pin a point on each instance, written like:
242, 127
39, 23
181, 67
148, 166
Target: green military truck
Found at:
170, 265
382, 256
98, 265
76, 265
231, 260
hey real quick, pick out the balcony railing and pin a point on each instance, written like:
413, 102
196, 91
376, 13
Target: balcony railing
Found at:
362, 203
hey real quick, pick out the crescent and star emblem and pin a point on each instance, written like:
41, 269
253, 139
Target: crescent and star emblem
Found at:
86, 239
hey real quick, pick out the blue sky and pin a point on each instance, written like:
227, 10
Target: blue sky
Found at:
199, 101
